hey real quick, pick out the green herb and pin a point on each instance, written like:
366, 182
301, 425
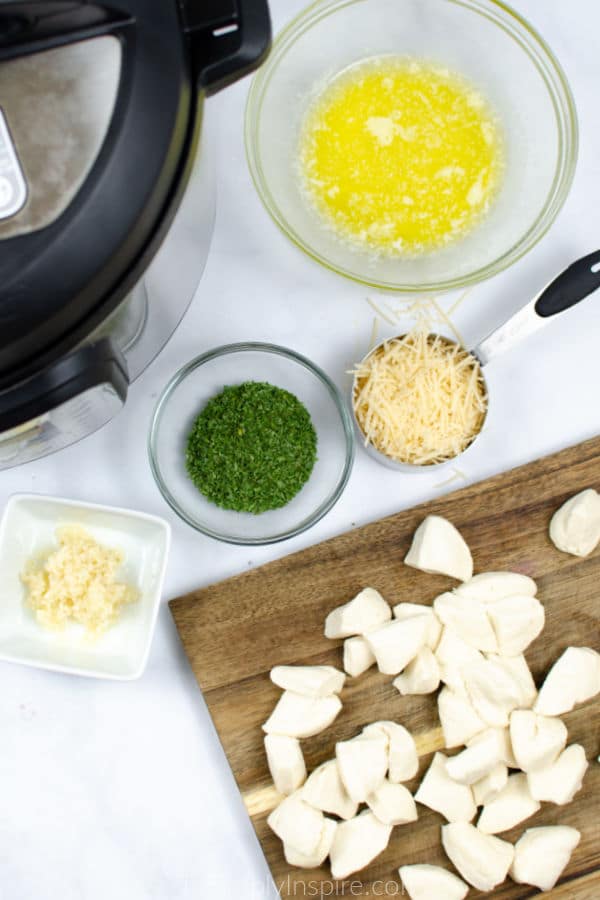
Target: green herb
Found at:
252, 448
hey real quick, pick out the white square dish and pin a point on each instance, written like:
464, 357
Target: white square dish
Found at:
28, 529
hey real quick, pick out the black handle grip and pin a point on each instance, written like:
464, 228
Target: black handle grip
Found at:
88, 367
30, 26
227, 43
576, 283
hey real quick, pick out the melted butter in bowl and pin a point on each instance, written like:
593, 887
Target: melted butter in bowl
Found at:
400, 157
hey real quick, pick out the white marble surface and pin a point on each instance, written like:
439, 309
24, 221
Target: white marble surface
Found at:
122, 790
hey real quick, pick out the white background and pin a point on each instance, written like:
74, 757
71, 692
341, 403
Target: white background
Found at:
121, 791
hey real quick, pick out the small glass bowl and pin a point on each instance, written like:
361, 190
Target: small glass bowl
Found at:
489, 44
186, 395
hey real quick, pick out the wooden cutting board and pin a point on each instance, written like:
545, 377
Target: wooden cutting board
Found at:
235, 631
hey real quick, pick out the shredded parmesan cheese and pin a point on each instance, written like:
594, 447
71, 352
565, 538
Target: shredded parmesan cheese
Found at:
423, 312
77, 583
458, 475
420, 398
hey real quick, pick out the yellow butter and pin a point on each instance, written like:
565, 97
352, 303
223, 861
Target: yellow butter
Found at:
400, 156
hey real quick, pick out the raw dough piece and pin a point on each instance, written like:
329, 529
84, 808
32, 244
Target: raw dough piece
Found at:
440, 792
541, 854
439, 548
482, 859
575, 527
423, 882
356, 843
286, 762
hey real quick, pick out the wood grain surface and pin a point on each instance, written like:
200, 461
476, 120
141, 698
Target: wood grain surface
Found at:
235, 631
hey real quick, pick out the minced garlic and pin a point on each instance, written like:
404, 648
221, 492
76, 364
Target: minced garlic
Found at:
77, 583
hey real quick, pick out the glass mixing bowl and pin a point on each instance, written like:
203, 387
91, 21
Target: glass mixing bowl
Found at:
201, 379
484, 40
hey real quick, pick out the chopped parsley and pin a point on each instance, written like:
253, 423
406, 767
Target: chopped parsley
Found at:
252, 448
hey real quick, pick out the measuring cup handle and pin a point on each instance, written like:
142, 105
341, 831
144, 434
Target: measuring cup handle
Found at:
577, 281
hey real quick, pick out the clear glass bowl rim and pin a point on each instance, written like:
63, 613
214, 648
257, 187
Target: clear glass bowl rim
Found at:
260, 347
551, 72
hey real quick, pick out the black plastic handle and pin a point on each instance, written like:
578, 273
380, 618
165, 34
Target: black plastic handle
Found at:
576, 283
90, 366
30, 26
229, 39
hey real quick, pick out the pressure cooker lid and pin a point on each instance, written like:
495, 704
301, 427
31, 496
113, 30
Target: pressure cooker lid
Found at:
98, 107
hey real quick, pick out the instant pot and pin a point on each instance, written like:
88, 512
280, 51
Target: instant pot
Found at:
106, 196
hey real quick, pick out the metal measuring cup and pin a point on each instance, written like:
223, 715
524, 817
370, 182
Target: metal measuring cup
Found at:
574, 284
